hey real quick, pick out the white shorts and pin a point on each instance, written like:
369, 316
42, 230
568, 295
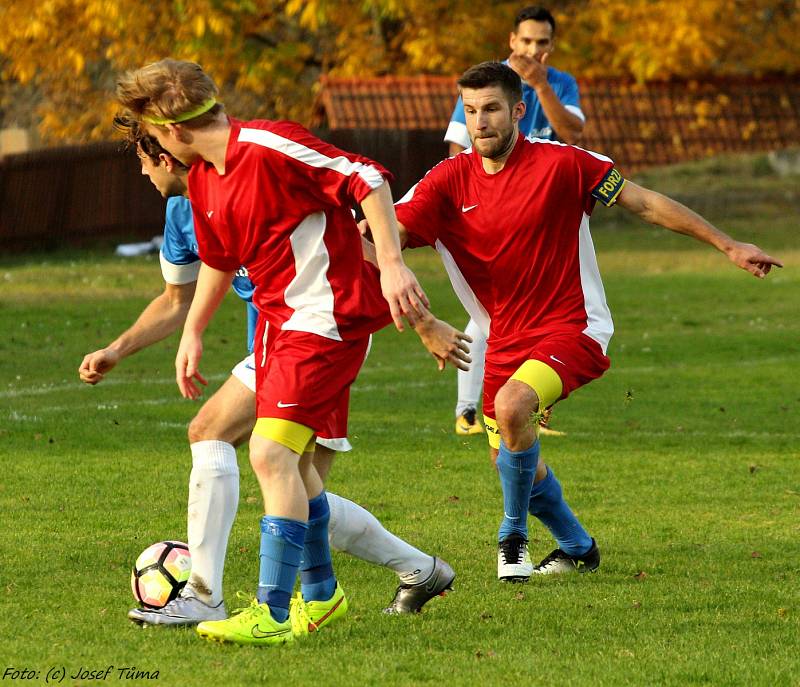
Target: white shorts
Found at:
245, 372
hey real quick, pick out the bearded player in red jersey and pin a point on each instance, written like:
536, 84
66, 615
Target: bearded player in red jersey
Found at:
510, 217
272, 197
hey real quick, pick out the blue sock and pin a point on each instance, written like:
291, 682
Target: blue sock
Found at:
547, 503
317, 581
279, 559
517, 470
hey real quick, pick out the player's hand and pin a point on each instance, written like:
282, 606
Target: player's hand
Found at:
444, 342
187, 374
403, 293
751, 258
95, 365
531, 70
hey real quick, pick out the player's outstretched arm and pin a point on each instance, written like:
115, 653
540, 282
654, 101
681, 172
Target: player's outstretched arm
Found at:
162, 316
398, 283
658, 209
211, 288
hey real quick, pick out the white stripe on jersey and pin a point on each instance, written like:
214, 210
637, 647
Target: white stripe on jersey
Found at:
599, 156
463, 290
313, 158
599, 325
179, 274
310, 294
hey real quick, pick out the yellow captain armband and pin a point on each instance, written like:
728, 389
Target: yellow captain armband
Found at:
543, 379
292, 435
609, 188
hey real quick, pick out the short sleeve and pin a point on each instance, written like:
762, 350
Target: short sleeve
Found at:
570, 97
180, 263
457, 129
424, 209
332, 176
600, 180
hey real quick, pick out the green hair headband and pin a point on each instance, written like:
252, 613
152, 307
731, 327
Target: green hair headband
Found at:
191, 114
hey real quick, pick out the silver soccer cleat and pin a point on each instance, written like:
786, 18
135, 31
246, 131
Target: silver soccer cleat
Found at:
410, 598
184, 611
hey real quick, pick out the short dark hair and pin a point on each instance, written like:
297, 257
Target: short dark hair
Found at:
493, 74
135, 135
535, 13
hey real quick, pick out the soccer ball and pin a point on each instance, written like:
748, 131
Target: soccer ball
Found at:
160, 572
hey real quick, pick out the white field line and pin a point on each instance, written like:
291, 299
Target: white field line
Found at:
432, 428
80, 387
43, 389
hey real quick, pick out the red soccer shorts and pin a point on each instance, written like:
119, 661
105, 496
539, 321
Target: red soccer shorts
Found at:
306, 378
575, 358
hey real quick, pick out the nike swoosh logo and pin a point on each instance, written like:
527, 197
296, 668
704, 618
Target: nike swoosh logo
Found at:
258, 633
281, 404
314, 626
209, 214
552, 357
467, 209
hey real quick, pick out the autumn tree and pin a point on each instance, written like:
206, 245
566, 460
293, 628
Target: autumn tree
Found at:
267, 55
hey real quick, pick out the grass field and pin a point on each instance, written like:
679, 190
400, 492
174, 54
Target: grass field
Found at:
682, 461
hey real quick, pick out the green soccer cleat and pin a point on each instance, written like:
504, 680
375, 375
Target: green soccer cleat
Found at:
312, 616
252, 624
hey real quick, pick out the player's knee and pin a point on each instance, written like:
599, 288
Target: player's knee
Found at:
265, 463
514, 404
202, 428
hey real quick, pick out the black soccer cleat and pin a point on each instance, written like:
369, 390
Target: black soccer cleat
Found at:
410, 598
560, 562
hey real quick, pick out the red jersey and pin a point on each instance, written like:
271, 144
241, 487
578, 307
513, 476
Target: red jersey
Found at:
517, 244
283, 210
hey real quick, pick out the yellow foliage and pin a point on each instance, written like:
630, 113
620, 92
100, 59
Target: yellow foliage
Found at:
267, 55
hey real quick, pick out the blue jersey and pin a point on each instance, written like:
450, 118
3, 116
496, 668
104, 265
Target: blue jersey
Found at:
534, 123
180, 261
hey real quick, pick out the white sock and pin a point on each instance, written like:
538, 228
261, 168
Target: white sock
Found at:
470, 382
356, 531
213, 500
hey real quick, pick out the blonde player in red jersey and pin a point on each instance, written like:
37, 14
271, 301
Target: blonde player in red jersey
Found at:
277, 200
510, 217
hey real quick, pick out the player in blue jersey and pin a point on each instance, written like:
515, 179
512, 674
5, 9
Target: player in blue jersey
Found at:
225, 421
553, 112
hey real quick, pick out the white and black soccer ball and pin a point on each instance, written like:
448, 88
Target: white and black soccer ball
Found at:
160, 572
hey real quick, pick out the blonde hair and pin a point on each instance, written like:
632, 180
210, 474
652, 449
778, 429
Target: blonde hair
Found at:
166, 90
